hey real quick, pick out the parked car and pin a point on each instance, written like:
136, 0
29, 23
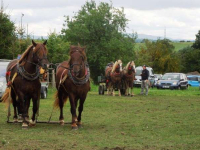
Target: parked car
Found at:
173, 81
3, 83
193, 80
157, 77
138, 80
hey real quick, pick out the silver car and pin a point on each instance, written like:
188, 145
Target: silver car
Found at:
3, 83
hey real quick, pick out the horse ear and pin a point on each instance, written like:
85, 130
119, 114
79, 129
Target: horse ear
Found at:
34, 44
45, 42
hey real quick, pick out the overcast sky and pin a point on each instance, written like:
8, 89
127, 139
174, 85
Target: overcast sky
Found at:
181, 18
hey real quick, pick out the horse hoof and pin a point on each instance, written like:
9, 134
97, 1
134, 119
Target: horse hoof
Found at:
62, 122
20, 118
24, 126
15, 120
32, 123
79, 124
74, 127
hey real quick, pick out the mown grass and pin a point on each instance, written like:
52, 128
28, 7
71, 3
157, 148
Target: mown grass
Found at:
177, 45
166, 119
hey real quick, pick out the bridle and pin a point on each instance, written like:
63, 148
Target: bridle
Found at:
39, 60
74, 64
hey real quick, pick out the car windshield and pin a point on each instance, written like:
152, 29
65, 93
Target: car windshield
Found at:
138, 72
192, 78
171, 77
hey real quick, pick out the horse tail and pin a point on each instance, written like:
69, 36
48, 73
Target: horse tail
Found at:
6, 98
57, 101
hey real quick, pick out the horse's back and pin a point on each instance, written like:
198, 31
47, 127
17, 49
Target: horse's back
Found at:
12, 64
12, 68
107, 72
61, 71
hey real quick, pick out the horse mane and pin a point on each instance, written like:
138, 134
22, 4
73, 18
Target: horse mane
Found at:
79, 49
127, 66
25, 54
115, 65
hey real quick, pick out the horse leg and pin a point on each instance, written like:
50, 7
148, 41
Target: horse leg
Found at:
119, 89
126, 89
26, 108
113, 90
35, 99
80, 109
73, 111
22, 109
61, 98
132, 94
75, 102
129, 90
14, 102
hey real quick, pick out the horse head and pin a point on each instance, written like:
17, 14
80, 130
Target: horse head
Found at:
117, 67
39, 54
131, 66
77, 59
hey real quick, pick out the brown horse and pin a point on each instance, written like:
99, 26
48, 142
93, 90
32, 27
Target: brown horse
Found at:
23, 81
72, 80
116, 77
129, 77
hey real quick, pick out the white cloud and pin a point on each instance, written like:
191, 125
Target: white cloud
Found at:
180, 17
179, 23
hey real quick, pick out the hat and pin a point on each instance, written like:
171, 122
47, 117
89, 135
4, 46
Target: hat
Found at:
144, 65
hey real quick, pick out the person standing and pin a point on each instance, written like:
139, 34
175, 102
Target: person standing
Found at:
145, 81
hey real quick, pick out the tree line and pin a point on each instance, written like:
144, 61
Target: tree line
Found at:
101, 28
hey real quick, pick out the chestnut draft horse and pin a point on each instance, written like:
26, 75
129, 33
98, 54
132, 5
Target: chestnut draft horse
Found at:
116, 77
72, 80
129, 77
108, 77
23, 82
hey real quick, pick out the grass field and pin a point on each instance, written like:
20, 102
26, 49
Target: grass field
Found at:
166, 119
178, 45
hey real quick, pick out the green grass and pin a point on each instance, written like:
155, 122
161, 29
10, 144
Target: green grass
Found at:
166, 119
178, 45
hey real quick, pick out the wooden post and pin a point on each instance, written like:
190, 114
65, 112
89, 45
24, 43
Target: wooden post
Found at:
53, 79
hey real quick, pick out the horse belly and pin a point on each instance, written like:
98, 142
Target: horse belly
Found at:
27, 87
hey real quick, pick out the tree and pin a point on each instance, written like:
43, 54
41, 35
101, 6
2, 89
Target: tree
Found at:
189, 59
100, 28
8, 38
57, 48
196, 44
159, 55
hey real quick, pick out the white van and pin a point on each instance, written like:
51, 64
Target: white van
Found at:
138, 81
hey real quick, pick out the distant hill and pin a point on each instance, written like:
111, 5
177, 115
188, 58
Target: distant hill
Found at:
154, 38
178, 45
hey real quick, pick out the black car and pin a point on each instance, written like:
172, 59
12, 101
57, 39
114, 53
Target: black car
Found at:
173, 81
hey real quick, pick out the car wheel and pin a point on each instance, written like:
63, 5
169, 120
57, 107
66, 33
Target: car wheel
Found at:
100, 90
103, 89
44, 94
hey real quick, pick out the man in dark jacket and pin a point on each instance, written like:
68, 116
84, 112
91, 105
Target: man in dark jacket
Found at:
145, 81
